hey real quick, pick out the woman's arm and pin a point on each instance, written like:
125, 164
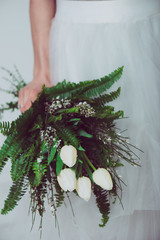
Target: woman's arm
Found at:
41, 14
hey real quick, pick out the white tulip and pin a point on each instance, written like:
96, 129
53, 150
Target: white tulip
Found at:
68, 155
67, 179
103, 178
83, 188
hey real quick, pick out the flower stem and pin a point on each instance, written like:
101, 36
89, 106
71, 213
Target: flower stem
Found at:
89, 162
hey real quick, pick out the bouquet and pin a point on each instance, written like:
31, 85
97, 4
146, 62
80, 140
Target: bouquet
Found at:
66, 142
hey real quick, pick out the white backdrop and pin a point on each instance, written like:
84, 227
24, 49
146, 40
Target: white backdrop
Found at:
15, 48
15, 43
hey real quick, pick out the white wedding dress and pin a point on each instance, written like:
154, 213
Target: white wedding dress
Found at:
88, 40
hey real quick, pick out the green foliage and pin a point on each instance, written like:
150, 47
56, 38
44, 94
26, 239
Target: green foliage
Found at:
15, 79
15, 194
52, 154
102, 201
25, 121
103, 99
34, 140
60, 114
39, 169
4, 128
59, 195
83, 133
59, 164
98, 86
85, 88
107, 113
17, 82
67, 134
98, 155
8, 149
65, 89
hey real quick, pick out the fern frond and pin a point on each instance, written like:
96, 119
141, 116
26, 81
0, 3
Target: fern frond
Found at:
7, 150
15, 194
99, 86
4, 128
107, 113
88, 88
39, 170
103, 99
65, 89
102, 201
21, 167
67, 135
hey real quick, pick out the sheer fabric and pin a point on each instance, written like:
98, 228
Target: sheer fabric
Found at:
88, 40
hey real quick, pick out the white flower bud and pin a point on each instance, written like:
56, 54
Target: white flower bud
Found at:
103, 178
67, 179
39, 160
83, 188
68, 155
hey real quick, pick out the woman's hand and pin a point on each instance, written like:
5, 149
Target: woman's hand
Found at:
30, 92
41, 15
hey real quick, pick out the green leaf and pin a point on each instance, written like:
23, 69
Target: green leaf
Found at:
59, 164
74, 119
83, 133
81, 148
52, 154
43, 146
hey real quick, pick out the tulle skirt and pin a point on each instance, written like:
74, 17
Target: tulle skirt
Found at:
88, 40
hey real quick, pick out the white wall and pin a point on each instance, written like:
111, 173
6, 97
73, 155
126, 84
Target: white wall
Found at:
15, 48
15, 44
15, 36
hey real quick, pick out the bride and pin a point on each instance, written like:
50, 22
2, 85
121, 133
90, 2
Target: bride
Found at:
84, 40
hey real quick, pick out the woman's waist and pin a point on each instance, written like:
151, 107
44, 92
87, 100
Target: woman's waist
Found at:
105, 11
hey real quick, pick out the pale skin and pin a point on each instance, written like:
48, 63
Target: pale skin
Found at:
41, 14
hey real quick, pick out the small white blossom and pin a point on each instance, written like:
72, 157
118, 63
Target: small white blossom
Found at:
39, 160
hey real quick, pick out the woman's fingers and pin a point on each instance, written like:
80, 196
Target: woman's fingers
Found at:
23, 95
29, 94
26, 97
26, 107
32, 97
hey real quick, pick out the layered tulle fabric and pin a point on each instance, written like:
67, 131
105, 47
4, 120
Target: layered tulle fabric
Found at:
89, 39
